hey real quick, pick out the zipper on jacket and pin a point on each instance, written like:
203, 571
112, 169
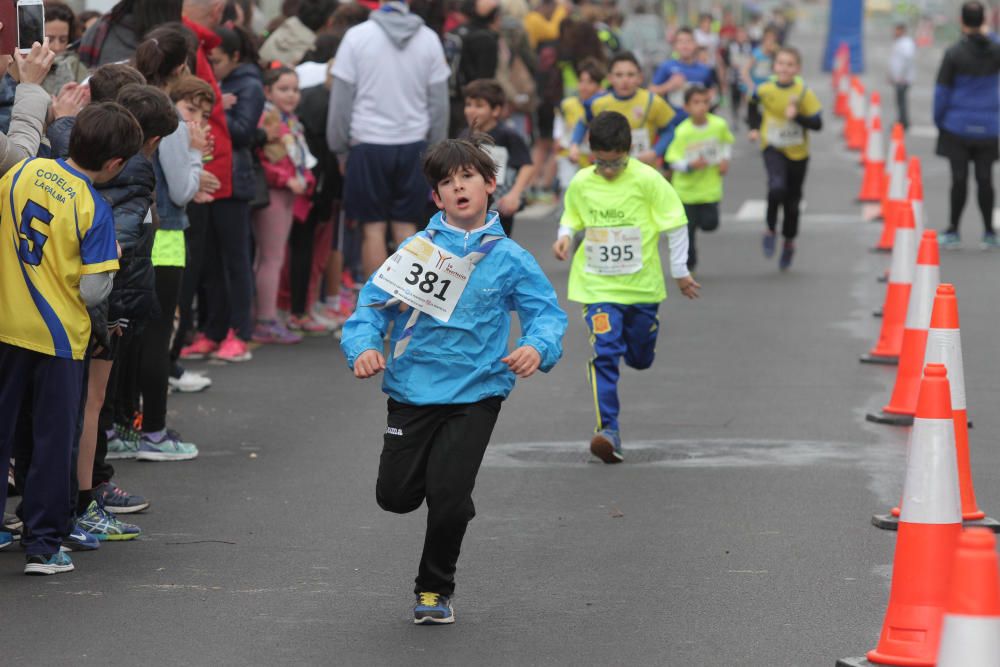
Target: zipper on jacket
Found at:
466, 246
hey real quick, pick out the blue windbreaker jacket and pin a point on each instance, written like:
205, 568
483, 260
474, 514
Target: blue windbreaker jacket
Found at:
459, 361
967, 94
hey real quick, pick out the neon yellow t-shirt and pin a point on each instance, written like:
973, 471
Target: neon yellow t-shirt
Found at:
53, 229
711, 141
778, 132
638, 199
644, 111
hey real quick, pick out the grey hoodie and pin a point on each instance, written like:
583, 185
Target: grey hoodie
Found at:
399, 26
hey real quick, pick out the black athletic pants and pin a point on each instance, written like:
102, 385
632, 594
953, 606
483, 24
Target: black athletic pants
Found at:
700, 216
785, 178
982, 161
154, 361
433, 452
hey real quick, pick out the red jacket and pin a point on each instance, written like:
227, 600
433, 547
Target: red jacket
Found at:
221, 164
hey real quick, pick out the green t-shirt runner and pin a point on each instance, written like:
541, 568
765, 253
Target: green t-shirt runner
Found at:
619, 259
712, 142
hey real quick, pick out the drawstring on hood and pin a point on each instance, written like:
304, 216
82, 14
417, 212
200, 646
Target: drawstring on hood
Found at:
397, 22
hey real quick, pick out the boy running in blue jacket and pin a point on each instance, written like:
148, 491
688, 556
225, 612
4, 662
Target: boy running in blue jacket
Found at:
448, 292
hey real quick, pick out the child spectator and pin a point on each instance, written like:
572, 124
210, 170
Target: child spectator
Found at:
484, 105
782, 112
699, 157
287, 165
622, 206
44, 326
446, 380
648, 115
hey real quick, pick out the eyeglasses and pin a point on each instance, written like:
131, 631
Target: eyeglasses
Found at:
612, 165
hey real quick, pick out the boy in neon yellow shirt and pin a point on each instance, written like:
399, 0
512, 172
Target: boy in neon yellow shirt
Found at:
648, 115
622, 206
782, 111
699, 158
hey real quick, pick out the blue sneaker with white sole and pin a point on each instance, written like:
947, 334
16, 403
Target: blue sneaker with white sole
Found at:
56, 563
607, 446
116, 499
433, 609
769, 243
105, 526
6, 539
80, 540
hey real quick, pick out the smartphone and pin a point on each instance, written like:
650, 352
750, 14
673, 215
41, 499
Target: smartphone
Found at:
30, 24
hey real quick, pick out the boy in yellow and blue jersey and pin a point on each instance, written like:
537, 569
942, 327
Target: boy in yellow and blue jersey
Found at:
699, 157
576, 109
58, 255
782, 111
648, 115
622, 206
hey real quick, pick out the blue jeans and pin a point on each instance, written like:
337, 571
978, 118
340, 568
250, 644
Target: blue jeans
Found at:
615, 331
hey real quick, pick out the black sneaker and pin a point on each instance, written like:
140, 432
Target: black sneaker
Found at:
433, 609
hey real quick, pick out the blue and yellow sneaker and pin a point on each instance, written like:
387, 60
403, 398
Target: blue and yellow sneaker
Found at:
433, 609
106, 526
48, 563
607, 446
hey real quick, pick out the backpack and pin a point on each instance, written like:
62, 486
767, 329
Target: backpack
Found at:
452, 43
548, 78
517, 80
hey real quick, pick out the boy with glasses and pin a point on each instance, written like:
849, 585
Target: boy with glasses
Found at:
622, 206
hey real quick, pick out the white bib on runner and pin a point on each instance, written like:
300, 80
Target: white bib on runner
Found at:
710, 150
640, 142
425, 277
500, 157
784, 134
613, 251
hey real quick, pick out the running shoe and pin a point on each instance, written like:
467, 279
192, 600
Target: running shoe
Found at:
769, 242
607, 446
433, 609
787, 252
189, 382
167, 448
48, 563
332, 318
116, 499
306, 325
347, 280
6, 539
118, 448
80, 540
200, 348
106, 526
233, 349
12, 523
949, 240
990, 241
272, 333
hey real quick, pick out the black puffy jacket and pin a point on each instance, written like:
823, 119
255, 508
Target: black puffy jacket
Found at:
130, 194
242, 119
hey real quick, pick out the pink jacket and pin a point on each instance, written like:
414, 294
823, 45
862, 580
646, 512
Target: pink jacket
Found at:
287, 157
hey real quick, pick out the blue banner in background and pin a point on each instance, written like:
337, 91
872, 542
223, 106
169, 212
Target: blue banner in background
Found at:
846, 25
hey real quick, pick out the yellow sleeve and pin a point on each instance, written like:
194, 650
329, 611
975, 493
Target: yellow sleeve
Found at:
571, 206
665, 206
810, 104
660, 113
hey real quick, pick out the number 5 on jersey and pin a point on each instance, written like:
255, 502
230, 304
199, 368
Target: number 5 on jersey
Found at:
32, 238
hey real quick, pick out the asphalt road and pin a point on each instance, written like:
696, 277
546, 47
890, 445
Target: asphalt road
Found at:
737, 532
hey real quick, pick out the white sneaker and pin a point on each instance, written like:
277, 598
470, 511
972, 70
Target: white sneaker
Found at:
190, 382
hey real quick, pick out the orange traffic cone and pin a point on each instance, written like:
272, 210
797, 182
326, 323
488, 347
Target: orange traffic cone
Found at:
916, 194
903, 403
970, 635
896, 137
897, 296
871, 182
895, 201
928, 532
854, 131
841, 64
874, 111
841, 106
944, 345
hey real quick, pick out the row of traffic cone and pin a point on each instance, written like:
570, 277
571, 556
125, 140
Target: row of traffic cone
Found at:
944, 602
